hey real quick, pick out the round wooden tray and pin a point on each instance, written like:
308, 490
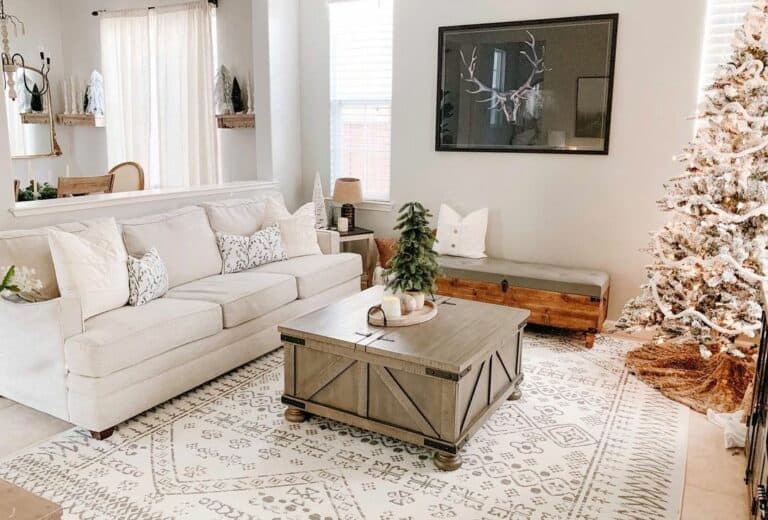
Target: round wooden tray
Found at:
426, 313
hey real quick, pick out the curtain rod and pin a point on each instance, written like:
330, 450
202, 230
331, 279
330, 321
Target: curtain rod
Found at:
97, 13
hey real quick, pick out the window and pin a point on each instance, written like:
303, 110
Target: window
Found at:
723, 18
361, 93
158, 65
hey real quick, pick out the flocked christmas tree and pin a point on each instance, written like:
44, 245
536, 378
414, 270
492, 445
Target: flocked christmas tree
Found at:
707, 280
414, 266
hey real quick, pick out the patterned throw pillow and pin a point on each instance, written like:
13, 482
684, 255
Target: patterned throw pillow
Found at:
147, 278
240, 253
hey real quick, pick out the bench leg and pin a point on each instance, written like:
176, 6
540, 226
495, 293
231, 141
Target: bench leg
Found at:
589, 339
100, 436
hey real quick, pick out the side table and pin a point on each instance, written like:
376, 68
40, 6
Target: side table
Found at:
365, 235
20, 504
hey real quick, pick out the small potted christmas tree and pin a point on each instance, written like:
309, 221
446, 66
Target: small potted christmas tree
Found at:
414, 268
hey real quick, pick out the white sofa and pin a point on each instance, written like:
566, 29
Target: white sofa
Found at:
99, 372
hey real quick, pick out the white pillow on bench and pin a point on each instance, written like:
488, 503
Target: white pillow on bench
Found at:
457, 236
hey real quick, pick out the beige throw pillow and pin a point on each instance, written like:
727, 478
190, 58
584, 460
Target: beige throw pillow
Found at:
92, 265
299, 235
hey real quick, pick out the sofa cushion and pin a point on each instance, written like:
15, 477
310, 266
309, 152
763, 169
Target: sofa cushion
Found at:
242, 296
29, 248
317, 273
183, 238
126, 336
235, 216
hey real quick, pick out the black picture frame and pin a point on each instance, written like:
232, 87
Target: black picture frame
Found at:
444, 109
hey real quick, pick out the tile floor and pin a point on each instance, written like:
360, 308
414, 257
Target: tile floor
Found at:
714, 485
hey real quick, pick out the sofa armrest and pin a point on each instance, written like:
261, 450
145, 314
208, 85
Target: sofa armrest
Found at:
329, 241
32, 365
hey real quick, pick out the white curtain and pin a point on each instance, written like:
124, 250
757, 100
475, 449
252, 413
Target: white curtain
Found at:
125, 61
166, 101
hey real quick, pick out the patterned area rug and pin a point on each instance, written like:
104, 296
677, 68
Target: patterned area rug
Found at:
586, 441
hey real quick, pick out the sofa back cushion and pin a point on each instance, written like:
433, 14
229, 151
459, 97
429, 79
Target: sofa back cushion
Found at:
242, 217
29, 248
183, 238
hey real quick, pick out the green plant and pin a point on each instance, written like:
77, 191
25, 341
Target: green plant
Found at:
7, 283
414, 266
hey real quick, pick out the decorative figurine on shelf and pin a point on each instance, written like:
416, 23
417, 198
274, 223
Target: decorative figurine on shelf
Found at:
222, 91
37, 100
321, 213
237, 97
414, 269
94, 94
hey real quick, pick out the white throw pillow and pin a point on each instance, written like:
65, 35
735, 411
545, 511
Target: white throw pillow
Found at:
241, 217
147, 278
457, 236
275, 209
92, 265
299, 234
245, 252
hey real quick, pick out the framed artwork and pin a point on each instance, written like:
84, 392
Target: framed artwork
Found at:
541, 86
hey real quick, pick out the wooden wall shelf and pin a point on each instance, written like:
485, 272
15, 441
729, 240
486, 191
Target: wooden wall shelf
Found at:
80, 120
236, 121
35, 118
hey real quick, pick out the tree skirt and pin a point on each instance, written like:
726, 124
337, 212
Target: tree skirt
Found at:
586, 441
680, 373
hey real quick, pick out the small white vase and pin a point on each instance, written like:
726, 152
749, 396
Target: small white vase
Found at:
418, 296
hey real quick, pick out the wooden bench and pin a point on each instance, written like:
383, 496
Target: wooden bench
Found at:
573, 299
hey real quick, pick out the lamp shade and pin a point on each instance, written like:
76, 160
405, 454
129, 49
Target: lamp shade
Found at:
348, 190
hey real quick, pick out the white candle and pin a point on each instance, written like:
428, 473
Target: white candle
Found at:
391, 307
66, 173
73, 94
66, 96
29, 173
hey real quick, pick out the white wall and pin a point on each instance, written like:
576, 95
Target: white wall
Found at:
285, 80
584, 211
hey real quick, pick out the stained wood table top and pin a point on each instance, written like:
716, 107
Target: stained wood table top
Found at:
19, 504
462, 331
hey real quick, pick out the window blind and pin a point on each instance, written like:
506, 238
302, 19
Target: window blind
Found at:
361, 93
723, 18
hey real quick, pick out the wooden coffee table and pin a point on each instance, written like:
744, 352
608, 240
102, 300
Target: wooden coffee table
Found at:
432, 384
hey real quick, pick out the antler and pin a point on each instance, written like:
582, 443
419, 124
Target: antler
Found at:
508, 101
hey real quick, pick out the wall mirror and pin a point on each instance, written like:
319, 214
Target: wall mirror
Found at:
130, 82
30, 118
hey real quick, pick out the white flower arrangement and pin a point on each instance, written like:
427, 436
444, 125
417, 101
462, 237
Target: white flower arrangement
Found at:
18, 280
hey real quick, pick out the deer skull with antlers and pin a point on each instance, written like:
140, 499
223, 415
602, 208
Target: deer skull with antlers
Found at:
507, 101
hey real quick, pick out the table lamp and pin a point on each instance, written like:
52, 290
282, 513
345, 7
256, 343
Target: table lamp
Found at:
348, 191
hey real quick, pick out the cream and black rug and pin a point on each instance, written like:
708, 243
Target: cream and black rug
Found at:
586, 441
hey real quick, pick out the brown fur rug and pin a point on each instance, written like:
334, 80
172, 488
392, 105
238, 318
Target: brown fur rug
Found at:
678, 371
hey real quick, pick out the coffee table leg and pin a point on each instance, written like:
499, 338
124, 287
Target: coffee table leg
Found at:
514, 396
295, 415
446, 462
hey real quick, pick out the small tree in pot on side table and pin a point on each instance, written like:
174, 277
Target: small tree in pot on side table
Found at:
414, 267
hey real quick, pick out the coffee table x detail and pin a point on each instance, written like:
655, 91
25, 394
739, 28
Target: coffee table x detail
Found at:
432, 384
